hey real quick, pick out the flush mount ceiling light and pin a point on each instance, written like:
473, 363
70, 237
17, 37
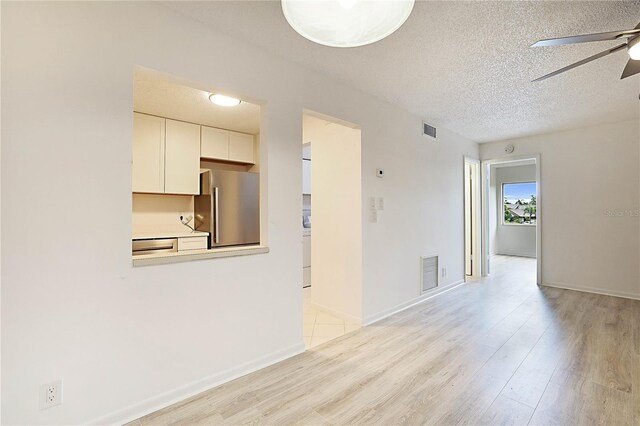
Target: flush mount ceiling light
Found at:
346, 23
223, 100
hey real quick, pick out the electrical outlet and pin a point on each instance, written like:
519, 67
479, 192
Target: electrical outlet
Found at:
51, 394
380, 203
372, 203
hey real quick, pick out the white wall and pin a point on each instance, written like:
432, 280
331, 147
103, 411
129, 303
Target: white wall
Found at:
515, 240
423, 213
127, 340
589, 202
336, 242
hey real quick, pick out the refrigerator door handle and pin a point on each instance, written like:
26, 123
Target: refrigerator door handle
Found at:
216, 209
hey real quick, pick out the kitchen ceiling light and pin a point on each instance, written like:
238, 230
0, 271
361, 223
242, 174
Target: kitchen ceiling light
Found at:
346, 23
634, 48
223, 100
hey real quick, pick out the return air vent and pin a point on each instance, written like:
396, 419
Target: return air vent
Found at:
428, 273
428, 130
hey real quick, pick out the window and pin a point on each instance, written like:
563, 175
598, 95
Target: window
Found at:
519, 203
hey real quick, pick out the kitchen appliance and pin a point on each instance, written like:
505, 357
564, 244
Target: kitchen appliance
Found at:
228, 207
154, 246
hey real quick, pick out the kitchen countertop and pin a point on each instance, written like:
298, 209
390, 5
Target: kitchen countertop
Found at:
189, 255
169, 234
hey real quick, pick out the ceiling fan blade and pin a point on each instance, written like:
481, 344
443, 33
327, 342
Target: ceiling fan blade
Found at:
582, 62
585, 38
632, 68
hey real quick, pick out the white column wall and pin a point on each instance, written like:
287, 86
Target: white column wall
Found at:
130, 340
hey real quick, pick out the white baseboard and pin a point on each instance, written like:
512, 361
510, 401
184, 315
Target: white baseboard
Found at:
337, 313
409, 303
156, 403
596, 290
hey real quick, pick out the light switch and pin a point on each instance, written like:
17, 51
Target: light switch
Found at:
372, 203
373, 215
380, 203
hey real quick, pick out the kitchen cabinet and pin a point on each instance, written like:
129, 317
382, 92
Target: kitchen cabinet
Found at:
241, 147
306, 176
182, 158
306, 260
192, 243
214, 143
306, 251
220, 144
306, 276
148, 153
166, 156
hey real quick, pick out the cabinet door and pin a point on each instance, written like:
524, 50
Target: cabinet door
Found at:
148, 153
192, 243
306, 251
306, 277
241, 147
182, 158
214, 143
306, 176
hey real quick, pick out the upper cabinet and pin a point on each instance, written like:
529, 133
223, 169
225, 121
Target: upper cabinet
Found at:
219, 144
306, 177
166, 156
182, 158
148, 153
166, 153
214, 143
306, 168
241, 147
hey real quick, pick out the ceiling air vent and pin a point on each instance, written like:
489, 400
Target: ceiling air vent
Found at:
429, 272
428, 130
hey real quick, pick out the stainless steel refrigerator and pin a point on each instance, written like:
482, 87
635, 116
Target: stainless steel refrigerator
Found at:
228, 207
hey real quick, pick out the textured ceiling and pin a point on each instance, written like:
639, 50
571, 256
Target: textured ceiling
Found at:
158, 94
466, 66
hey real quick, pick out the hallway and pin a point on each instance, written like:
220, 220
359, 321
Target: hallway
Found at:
498, 351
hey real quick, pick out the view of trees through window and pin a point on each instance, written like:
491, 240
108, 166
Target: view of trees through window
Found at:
519, 203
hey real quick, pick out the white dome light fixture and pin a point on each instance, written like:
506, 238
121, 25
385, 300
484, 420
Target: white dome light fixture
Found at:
346, 23
223, 100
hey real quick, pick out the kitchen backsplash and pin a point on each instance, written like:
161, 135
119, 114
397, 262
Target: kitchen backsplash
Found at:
159, 212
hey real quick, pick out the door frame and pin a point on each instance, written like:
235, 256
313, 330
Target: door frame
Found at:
476, 216
485, 172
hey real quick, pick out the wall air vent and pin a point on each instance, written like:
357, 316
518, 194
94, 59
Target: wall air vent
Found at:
428, 130
428, 273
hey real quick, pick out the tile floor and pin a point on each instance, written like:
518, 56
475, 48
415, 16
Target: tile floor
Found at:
320, 326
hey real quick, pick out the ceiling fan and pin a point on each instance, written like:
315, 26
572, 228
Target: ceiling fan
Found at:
631, 44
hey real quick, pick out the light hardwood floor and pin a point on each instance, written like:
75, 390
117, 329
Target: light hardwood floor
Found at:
498, 351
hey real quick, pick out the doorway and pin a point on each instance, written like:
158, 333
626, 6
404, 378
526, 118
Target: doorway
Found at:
332, 228
472, 223
511, 209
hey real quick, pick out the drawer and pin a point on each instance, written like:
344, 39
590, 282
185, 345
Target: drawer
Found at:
192, 243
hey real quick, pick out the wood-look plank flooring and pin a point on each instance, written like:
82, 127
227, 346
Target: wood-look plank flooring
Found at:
498, 351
